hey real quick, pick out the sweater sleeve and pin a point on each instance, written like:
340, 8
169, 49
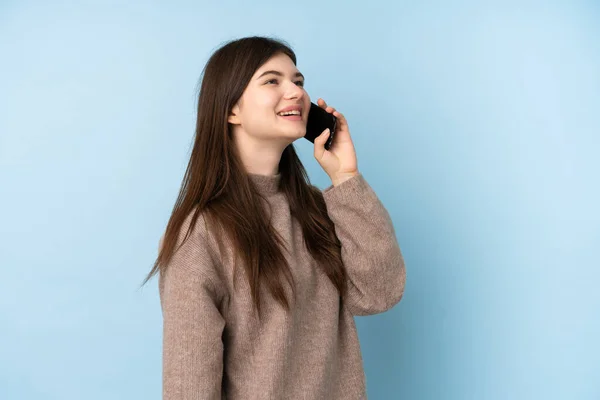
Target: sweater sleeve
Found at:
370, 251
192, 322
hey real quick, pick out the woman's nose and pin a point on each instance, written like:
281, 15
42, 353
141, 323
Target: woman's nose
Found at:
294, 92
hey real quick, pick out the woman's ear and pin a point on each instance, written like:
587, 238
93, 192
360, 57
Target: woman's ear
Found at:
233, 117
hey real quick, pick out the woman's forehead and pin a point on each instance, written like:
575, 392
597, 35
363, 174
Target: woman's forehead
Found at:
281, 63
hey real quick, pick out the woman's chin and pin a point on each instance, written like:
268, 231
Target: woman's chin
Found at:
295, 133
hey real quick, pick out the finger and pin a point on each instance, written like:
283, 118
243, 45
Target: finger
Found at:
320, 144
321, 103
342, 120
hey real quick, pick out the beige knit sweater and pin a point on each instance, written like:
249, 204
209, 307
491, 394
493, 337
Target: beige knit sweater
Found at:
213, 348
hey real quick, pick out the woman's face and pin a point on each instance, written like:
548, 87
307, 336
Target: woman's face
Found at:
257, 113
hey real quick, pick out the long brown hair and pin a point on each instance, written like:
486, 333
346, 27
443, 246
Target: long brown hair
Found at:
216, 182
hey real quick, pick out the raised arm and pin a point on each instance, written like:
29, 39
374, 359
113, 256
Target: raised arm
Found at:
370, 250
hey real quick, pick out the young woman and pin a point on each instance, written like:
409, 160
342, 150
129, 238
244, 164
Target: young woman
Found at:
260, 272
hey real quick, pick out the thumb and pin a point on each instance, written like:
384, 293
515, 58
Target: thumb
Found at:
320, 144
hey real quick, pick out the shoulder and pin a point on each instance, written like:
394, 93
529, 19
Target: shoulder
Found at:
195, 221
194, 254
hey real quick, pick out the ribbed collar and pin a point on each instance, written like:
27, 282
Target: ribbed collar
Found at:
267, 184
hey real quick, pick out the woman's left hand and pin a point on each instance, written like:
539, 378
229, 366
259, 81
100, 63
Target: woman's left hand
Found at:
339, 162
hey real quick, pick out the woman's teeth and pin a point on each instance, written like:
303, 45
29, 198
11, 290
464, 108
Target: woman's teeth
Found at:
289, 113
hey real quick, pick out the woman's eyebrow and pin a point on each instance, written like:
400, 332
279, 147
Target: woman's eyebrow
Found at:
278, 73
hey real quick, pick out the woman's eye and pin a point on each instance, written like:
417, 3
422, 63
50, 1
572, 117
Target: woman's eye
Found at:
299, 83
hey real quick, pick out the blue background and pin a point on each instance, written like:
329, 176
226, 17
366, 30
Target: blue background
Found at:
476, 123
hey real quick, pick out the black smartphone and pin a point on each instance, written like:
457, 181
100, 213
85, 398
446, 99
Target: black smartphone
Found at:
318, 121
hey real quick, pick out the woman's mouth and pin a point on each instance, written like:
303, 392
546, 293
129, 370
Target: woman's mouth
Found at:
291, 115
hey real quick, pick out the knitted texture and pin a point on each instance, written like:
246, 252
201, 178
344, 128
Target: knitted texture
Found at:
214, 347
